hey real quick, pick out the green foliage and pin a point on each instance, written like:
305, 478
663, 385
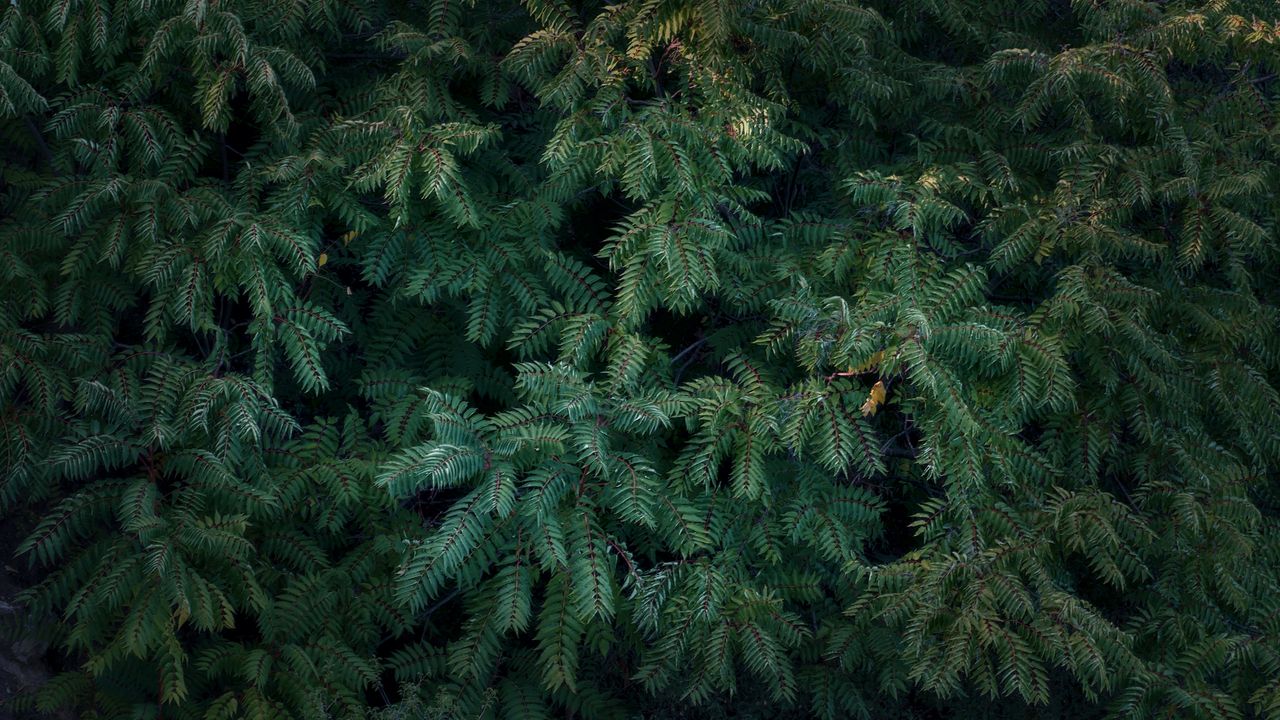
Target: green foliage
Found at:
685, 358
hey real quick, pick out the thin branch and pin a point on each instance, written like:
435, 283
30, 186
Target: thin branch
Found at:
696, 344
680, 371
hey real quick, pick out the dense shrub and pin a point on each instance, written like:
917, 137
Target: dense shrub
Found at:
685, 358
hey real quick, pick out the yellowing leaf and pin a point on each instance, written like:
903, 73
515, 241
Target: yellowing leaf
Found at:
348, 237
875, 399
878, 392
871, 362
324, 258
